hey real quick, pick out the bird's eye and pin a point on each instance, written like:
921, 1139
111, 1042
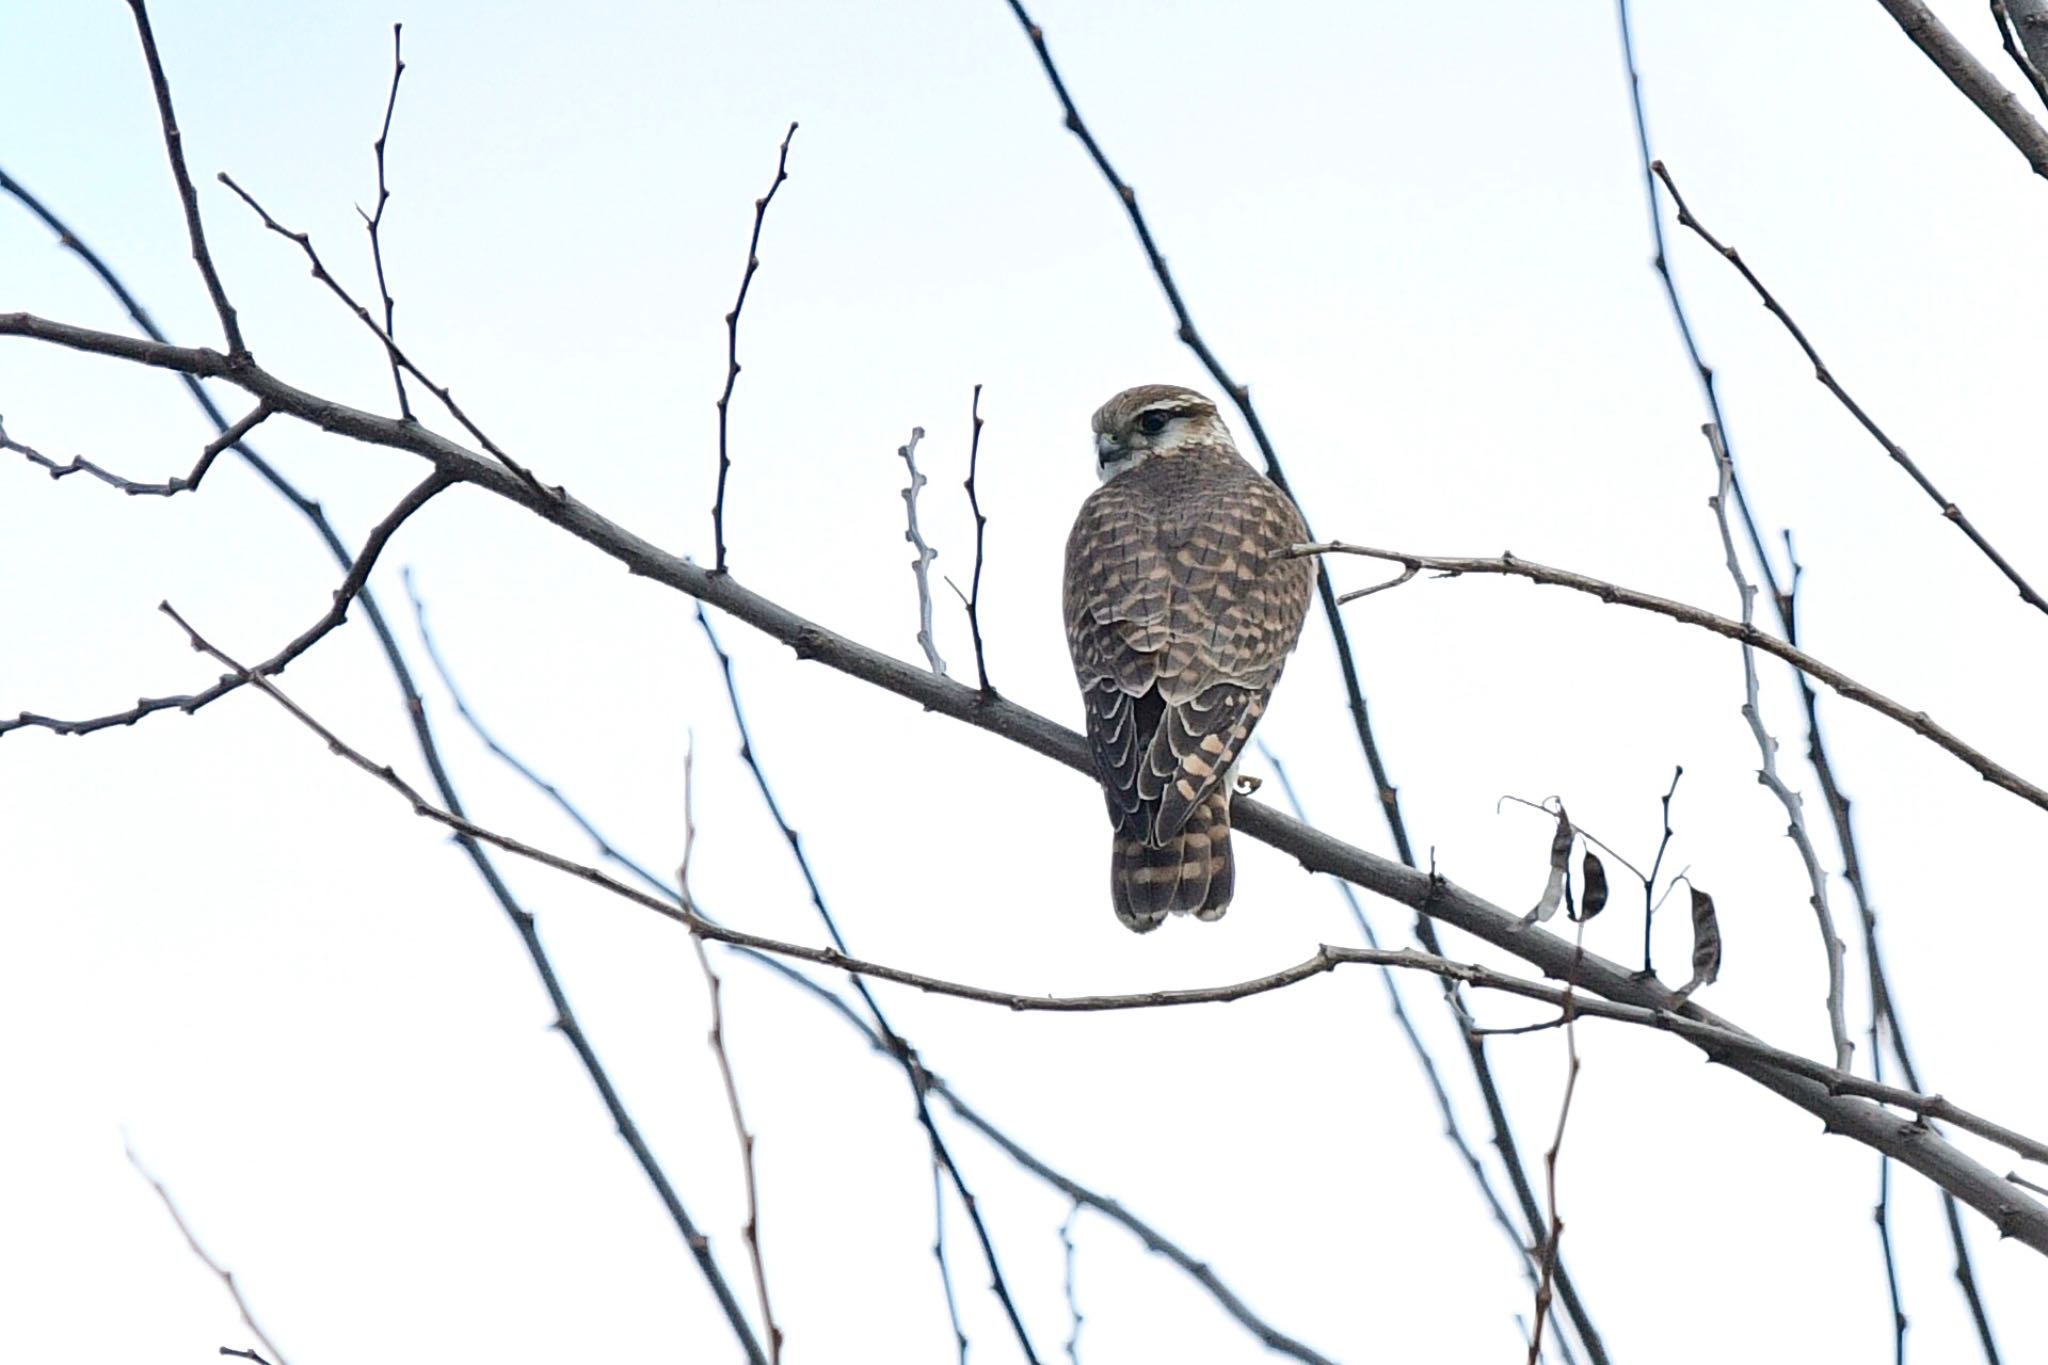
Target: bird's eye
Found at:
1152, 423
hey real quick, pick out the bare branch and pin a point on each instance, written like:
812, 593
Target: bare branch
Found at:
352, 587
374, 222
188, 197
180, 483
732, 346
565, 1018
2029, 43
922, 565
397, 357
1971, 77
1568, 1013
898, 1047
1511, 566
1783, 602
1722, 1041
1073, 1305
931, 1082
1767, 771
973, 596
1431, 895
1523, 1241
1949, 510
1273, 1338
939, 1251
227, 1277
750, 1232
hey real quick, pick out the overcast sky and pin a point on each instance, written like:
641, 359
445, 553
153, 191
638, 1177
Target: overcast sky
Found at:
1420, 233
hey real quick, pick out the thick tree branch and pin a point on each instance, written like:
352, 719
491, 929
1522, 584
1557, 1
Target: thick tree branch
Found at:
1973, 78
1908, 1141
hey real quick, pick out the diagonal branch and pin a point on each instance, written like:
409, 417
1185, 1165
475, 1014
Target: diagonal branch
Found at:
397, 357
352, 587
1454, 1131
227, 1277
565, 1018
1512, 566
931, 1082
1908, 1142
1949, 510
1973, 78
897, 1046
1626, 997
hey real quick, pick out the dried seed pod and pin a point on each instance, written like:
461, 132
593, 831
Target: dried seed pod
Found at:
1593, 880
1706, 939
1560, 864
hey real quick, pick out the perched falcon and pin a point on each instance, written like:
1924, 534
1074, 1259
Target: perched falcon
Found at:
1179, 620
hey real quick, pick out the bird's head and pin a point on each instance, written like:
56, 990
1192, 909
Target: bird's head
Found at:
1154, 420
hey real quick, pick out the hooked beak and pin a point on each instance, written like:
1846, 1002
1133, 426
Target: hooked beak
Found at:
1106, 448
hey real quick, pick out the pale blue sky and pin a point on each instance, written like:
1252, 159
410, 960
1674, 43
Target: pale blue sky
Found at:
1418, 231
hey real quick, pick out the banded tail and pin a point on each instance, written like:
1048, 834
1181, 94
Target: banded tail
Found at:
1192, 872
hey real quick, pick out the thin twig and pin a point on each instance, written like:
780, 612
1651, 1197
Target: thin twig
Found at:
176, 484
1767, 770
939, 1247
565, 1017
1650, 882
732, 346
1568, 1014
750, 1232
392, 350
933, 1083
1454, 1131
1073, 1342
374, 222
920, 567
352, 589
1821, 372
1515, 567
898, 1046
1199, 1271
973, 597
188, 197
227, 1277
